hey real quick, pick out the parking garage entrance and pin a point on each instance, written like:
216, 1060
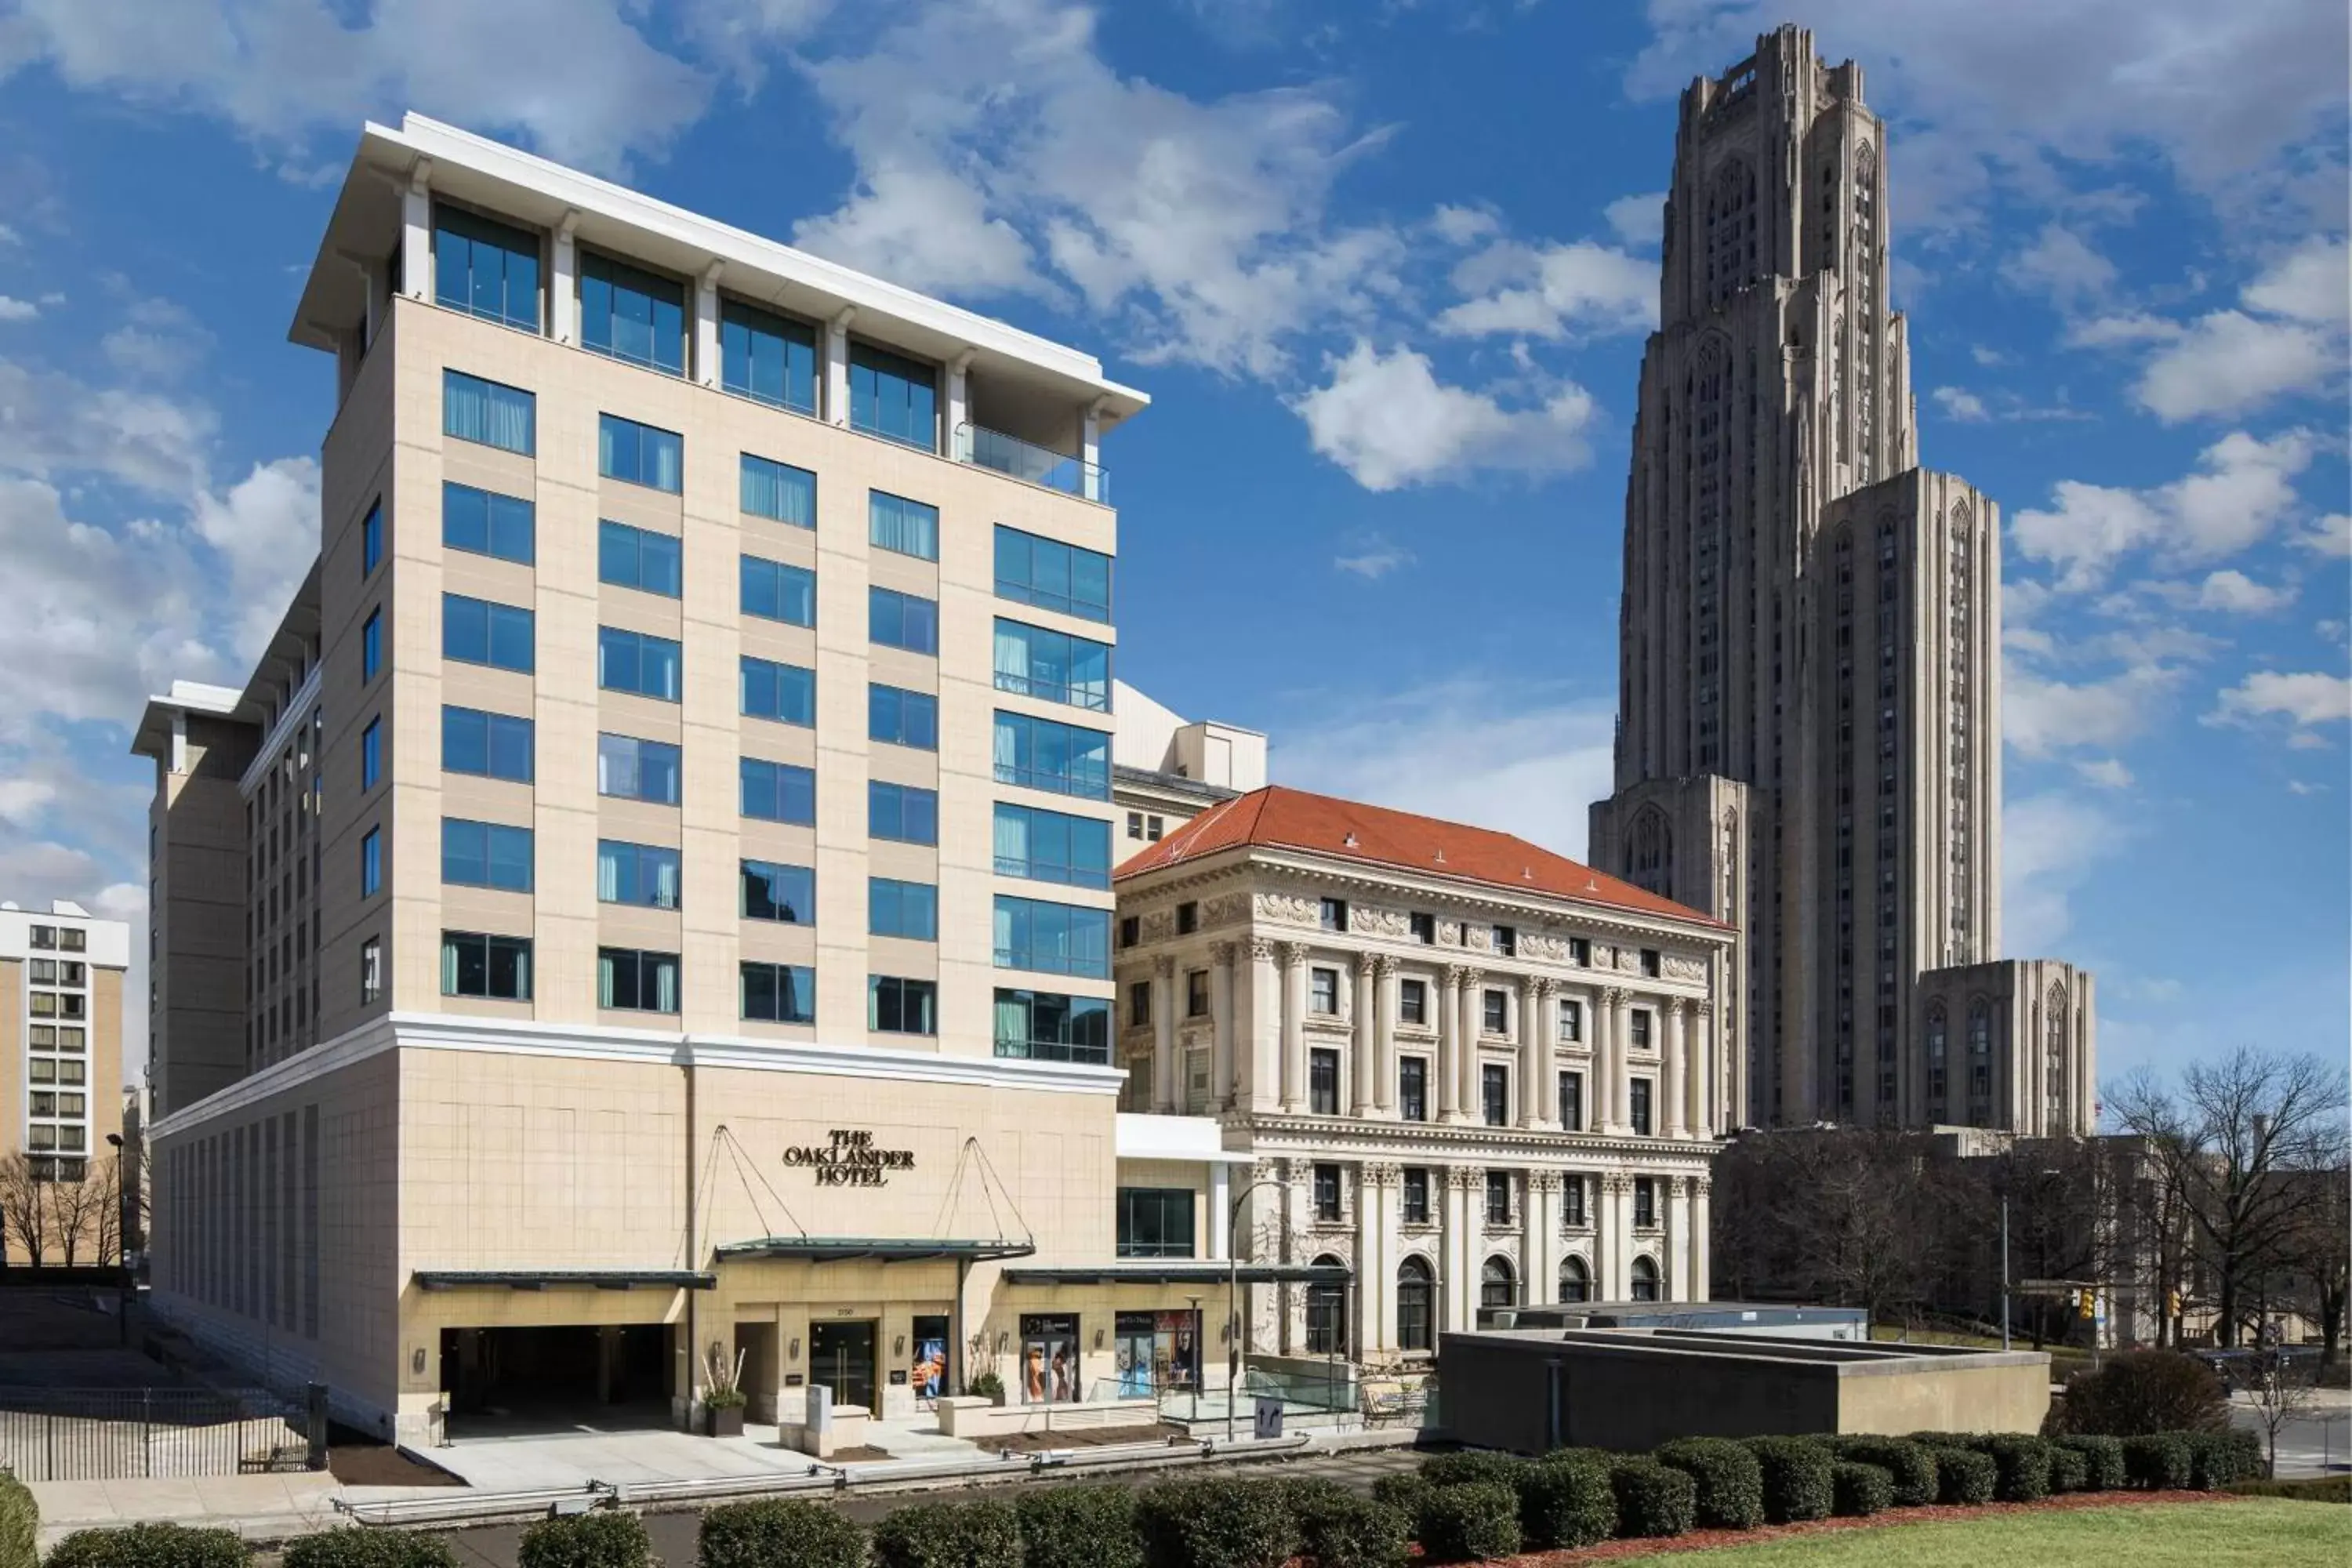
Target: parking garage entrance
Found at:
582, 1376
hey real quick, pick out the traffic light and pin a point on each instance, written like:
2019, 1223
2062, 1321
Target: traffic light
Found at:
2087, 1304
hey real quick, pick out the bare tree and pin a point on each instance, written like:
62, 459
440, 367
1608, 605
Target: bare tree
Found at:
1848, 1217
2278, 1390
24, 1209
2326, 1249
78, 1213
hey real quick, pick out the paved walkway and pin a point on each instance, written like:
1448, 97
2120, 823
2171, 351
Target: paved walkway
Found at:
565, 1460
260, 1507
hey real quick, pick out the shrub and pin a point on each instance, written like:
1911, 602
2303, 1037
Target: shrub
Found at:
1964, 1475
978, 1535
2103, 1459
1348, 1532
775, 1530
985, 1385
1910, 1469
608, 1537
2311, 1488
2217, 1459
1730, 1480
20, 1524
1078, 1527
1306, 1494
1653, 1498
2070, 1469
1470, 1522
1857, 1490
1566, 1500
2021, 1465
356, 1546
2138, 1393
150, 1546
2157, 1462
1796, 1478
1408, 1493
1222, 1522
1473, 1465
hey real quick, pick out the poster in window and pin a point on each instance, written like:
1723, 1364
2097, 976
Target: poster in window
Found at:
929, 1372
1049, 1358
1134, 1358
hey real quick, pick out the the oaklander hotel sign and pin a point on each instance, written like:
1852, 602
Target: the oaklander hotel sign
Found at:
850, 1158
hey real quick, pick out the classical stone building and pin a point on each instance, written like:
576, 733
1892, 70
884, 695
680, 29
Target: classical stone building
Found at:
1471, 1071
1808, 736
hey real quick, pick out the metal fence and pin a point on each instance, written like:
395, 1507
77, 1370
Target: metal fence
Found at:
106, 1434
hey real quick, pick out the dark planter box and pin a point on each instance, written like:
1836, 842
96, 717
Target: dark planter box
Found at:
722, 1421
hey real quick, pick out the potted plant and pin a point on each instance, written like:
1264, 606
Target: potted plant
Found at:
985, 1385
722, 1399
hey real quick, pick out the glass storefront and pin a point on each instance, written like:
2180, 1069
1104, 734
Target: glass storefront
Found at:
1049, 1359
1157, 1352
928, 1375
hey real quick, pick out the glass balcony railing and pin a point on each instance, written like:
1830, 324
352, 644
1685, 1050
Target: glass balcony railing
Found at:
986, 449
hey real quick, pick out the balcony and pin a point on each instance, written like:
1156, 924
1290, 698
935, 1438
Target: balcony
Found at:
1028, 461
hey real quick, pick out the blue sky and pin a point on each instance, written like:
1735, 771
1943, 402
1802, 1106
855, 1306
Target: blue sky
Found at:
1386, 270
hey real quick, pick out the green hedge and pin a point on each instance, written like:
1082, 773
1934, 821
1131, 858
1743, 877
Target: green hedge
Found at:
1349, 1532
1566, 1500
1472, 1521
977, 1534
2217, 1459
2311, 1488
1407, 1492
1797, 1483
763, 1534
1078, 1527
2070, 1469
20, 1524
1858, 1490
2022, 1462
1910, 1469
1730, 1480
1225, 1524
2159, 1463
1652, 1500
608, 1537
356, 1546
1472, 1465
2103, 1459
1963, 1475
150, 1546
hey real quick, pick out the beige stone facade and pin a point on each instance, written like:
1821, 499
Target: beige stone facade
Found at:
61, 981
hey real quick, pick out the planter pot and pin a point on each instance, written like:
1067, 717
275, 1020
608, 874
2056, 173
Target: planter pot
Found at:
725, 1421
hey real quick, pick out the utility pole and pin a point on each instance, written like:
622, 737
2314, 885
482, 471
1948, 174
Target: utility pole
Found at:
1233, 1292
2004, 1270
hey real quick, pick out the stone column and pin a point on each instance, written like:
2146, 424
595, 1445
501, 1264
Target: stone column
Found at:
1674, 1246
1535, 1004
1384, 1056
706, 325
1221, 1025
1702, 1288
1293, 1027
1450, 1046
1457, 1287
1221, 1211
1671, 1112
1376, 1236
1164, 1072
1601, 1026
1547, 1055
836, 366
417, 233
1259, 1044
1612, 1229
1621, 1059
1539, 1250
1473, 1110
1701, 1098
1361, 1069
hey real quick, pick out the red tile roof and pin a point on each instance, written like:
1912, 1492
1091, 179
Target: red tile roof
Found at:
1277, 818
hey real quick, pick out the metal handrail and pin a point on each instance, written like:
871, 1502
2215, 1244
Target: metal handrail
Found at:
1028, 461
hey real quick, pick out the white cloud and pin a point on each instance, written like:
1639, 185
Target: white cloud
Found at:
1372, 557
158, 341
1559, 291
1987, 356
24, 800
2233, 593
2314, 283
2060, 266
1639, 219
2050, 845
2243, 487
2304, 701
2107, 773
17, 310
2228, 362
1391, 423
2041, 718
1964, 407
2330, 535
1465, 225
265, 529
2121, 331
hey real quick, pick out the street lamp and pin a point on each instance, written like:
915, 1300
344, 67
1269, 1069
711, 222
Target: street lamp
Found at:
1233, 1292
121, 1246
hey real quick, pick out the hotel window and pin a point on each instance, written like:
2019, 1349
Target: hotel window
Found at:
783, 693
1507, 941
370, 971
1645, 1202
902, 526
1650, 962
45, 1003
777, 892
1196, 993
1571, 1101
1147, 828
1424, 929
371, 863
482, 522
1056, 939
1188, 918
778, 792
902, 813
370, 754
1498, 1197
1416, 1195
893, 397
1333, 914
1580, 951
902, 620
475, 631
630, 769
371, 541
898, 1006
1155, 1222
630, 315
1323, 990
1139, 1004
45, 971
646, 875
896, 717
775, 592
638, 454
639, 558
767, 358
1641, 1031
1495, 1014
1044, 1026
484, 855
1413, 1088
777, 491
482, 411
485, 268
1494, 1094
1051, 847
631, 980
371, 646
1640, 1095
1572, 1200
1053, 667
1571, 1021
490, 745
909, 910
1052, 575
45, 938
1038, 754
779, 993
638, 663
497, 968
1327, 1192
1323, 1081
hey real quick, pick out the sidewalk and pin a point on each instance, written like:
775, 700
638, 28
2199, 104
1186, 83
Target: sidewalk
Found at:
261, 1508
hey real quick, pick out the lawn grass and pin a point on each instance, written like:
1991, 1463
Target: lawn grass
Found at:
2268, 1531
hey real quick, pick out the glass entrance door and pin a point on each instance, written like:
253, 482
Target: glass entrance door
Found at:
841, 1357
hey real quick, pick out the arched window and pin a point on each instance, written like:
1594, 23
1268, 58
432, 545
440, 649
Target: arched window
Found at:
1646, 1279
1980, 1063
2055, 1034
1937, 1085
1327, 1313
1413, 1297
1498, 1286
1575, 1281
1650, 858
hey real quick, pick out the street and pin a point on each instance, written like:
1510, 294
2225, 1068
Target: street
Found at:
2316, 1443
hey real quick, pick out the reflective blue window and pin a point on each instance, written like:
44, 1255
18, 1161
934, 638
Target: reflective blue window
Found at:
779, 491
371, 863
475, 631
492, 745
908, 527
785, 692
639, 454
1052, 575
637, 558
639, 662
902, 620
775, 592
631, 768
899, 1006
774, 892
893, 397
911, 909
1039, 754
486, 524
902, 812
902, 718
767, 357
1055, 938
631, 314
1054, 665
779, 993
371, 540
778, 792
646, 875
486, 855
372, 645
1052, 845
473, 409
370, 754
486, 268
1045, 1027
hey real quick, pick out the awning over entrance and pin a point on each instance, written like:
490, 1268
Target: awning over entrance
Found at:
867, 1248
1181, 1271
564, 1279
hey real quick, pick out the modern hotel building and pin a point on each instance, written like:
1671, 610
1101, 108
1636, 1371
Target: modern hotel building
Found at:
61, 974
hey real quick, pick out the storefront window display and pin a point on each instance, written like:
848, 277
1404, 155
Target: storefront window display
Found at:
1157, 1352
929, 1374
1049, 1359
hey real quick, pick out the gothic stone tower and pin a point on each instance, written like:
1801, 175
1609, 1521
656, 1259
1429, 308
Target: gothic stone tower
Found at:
1809, 699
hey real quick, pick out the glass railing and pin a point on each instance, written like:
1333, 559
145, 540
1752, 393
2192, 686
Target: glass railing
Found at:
986, 449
